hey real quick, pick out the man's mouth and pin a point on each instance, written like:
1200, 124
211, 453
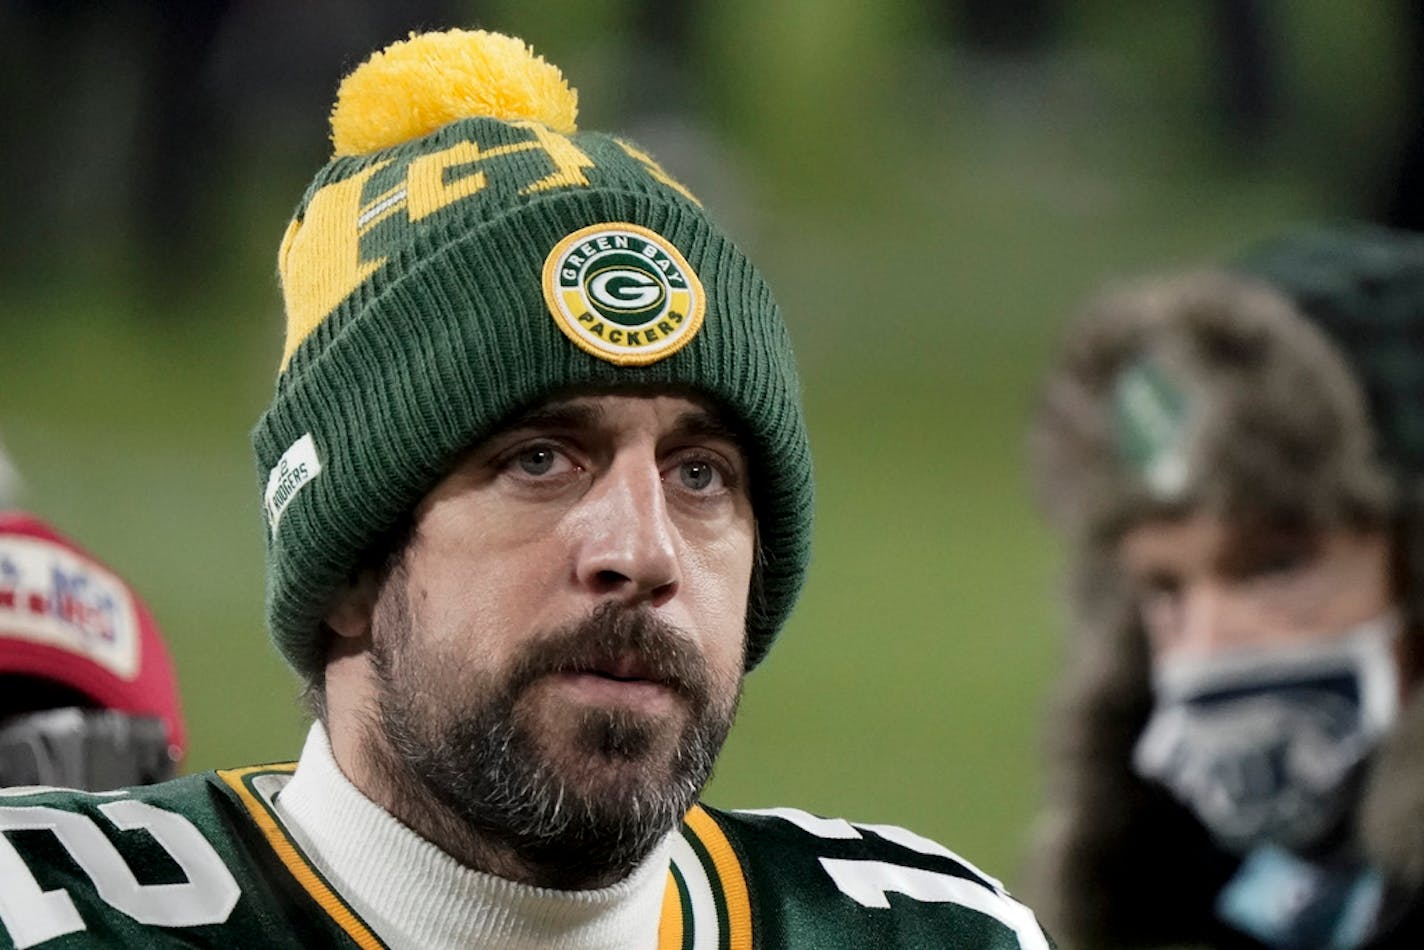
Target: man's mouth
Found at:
618, 658
624, 669
623, 680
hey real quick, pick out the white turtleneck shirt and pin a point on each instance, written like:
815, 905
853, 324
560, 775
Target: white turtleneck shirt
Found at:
414, 895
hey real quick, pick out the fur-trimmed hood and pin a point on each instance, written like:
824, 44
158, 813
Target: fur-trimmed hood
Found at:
1206, 390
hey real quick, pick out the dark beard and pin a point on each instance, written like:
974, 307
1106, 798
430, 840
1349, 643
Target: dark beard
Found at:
581, 816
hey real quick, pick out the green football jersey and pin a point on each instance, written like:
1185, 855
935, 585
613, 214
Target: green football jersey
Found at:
205, 861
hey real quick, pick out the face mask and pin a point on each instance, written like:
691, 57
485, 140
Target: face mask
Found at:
1264, 745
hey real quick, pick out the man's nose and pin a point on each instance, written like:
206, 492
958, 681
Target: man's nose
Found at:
627, 547
1215, 619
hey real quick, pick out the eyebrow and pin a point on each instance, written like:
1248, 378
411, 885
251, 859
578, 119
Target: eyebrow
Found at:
701, 423
564, 415
694, 422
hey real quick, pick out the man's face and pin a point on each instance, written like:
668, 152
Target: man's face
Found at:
558, 654
1204, 586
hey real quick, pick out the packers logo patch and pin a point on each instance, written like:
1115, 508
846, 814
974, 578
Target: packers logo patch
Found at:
623, 293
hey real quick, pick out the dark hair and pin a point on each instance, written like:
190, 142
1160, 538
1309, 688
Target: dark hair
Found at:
378, 564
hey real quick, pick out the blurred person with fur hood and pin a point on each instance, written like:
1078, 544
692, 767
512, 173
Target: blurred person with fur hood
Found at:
1235, 460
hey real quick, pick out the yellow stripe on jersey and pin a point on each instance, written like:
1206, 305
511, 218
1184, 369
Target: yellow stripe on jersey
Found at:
729, 873
293, 858
670, 922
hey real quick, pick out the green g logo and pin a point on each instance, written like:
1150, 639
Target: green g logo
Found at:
623, 293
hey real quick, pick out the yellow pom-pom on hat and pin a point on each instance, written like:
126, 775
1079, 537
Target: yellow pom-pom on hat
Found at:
415, 86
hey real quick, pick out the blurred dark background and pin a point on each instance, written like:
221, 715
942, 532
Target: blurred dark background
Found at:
930, 187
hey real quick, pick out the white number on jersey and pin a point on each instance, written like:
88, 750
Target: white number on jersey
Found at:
868, 882
33, 916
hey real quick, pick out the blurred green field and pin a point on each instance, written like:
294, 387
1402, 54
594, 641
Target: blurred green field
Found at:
927, 226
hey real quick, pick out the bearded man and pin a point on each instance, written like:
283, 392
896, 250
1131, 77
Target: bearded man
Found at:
538, 494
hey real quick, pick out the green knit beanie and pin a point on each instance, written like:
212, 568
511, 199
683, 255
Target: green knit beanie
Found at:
467, 254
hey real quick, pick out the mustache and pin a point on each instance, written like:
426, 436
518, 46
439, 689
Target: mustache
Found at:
622, 638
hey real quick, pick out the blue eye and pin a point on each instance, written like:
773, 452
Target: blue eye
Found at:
536, 461
696, 475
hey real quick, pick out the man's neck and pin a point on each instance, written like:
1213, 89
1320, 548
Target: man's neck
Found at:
415, 893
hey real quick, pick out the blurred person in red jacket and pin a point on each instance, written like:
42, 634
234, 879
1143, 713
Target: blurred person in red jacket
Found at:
88, 697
